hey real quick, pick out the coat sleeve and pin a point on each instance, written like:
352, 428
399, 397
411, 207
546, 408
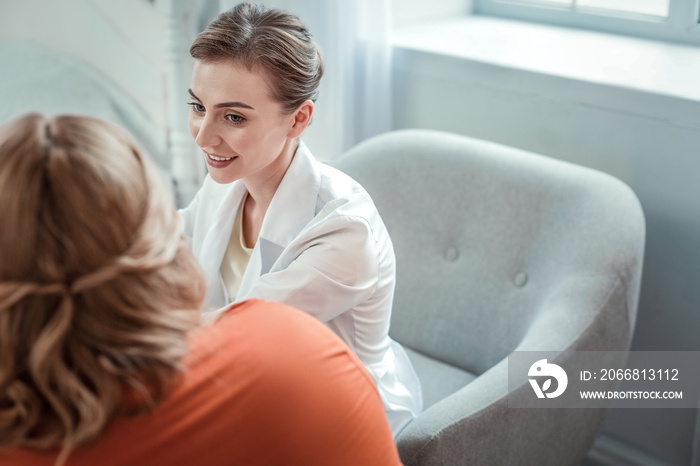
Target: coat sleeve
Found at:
336, 269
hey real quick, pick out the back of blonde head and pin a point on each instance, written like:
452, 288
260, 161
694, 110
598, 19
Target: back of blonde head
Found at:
97, 287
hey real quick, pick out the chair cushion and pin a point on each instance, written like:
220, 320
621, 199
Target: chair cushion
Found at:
438, 378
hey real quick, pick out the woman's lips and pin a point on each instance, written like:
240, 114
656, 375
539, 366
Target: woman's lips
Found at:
216, 161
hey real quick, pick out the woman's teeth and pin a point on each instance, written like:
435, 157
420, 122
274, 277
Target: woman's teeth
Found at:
219, 159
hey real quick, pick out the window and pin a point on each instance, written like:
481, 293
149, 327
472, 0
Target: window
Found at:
672, 20
652, 8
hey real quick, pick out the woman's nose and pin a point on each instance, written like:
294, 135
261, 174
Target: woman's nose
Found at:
206, 133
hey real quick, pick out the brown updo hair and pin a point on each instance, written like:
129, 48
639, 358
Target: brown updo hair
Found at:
98, 288
272, 40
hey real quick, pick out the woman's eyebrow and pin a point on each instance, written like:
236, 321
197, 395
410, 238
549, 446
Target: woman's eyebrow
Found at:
223, 104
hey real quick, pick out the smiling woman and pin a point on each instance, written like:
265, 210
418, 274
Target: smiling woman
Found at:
241, 129
270, 221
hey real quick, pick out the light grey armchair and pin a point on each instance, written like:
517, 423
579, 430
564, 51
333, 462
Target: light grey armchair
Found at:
499, 250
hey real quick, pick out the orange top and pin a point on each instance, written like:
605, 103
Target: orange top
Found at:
265, 385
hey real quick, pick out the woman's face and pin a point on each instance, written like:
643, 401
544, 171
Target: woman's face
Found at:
240, 129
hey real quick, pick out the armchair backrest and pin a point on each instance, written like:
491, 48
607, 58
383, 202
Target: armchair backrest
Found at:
487, 236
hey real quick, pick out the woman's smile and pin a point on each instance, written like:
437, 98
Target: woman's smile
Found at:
216, 161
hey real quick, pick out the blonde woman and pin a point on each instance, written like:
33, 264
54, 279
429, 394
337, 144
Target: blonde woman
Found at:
102, 357
270, 221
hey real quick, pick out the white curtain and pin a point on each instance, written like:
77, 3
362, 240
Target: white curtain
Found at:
355, 95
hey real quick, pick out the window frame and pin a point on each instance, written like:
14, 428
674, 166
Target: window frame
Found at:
681, 26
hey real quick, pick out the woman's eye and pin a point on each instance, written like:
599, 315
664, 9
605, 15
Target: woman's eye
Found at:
235, 118
196, 106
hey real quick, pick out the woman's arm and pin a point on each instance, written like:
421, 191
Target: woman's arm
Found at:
337, 268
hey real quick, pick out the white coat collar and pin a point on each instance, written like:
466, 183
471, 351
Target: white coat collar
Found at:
294, 203
293, 206
226, 199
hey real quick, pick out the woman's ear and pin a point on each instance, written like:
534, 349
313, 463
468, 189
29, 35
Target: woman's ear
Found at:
302, 118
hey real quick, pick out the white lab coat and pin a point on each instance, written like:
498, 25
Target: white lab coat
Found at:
324, 249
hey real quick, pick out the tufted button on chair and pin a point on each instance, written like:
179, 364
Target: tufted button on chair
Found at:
499, 250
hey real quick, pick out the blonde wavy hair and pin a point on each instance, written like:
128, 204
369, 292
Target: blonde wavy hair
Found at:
98, 288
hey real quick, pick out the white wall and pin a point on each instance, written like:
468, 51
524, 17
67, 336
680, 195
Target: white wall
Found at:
139, 46
122, 40
652, 142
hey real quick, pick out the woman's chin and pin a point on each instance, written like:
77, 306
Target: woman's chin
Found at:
221, 176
